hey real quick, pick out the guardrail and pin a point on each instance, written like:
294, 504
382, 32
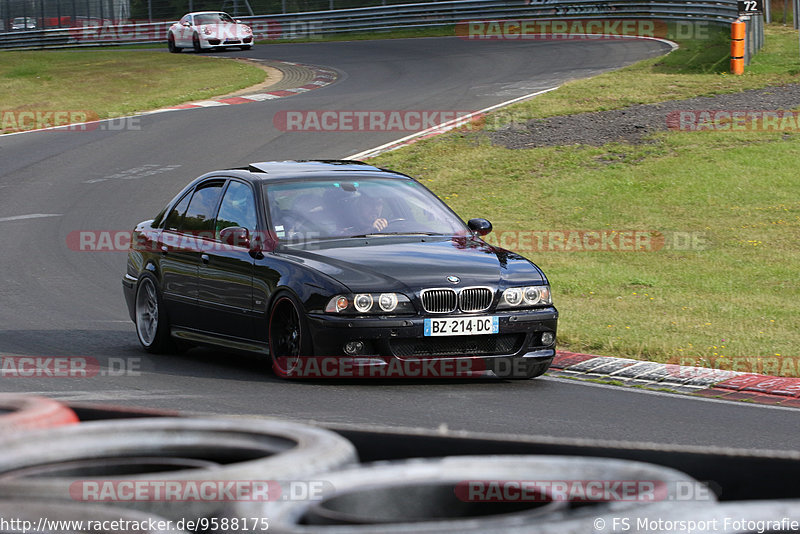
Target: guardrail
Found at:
403, 16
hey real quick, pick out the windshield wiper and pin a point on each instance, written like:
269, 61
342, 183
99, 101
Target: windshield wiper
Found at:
395, 233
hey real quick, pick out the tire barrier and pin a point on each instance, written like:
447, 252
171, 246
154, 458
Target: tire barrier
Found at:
452, 495
24, 412
175, 467
74, 518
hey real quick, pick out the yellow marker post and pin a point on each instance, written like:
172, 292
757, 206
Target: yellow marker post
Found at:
737, 47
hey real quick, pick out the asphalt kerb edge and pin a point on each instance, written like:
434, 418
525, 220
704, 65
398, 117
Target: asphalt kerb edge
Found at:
701, 381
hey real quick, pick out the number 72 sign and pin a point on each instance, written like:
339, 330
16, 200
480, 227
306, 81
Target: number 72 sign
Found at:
750, 7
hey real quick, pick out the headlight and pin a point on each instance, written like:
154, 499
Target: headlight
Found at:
512, 296
387, 301
247, 30
363, 302
521, 297
370, 303
207, 31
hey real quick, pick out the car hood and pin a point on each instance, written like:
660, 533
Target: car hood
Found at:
409, 264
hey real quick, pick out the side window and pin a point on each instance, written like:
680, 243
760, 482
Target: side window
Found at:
200, 213
238, 208
175, 216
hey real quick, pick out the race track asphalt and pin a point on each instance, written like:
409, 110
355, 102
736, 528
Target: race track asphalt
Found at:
56, 301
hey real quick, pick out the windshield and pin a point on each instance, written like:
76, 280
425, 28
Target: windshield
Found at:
324, 209
212, 18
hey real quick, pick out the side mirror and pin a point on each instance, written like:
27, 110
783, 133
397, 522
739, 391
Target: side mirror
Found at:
237, 21
480, 226
187, 24
235, 236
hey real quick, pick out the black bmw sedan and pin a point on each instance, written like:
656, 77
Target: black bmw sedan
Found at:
336, 269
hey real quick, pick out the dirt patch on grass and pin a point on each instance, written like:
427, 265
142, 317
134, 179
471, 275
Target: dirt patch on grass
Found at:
634, 124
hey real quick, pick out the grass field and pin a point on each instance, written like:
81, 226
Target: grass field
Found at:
698, 68
109, 83
723, 290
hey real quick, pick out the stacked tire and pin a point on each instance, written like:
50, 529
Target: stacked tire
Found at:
26, 412
433, 496
54, 469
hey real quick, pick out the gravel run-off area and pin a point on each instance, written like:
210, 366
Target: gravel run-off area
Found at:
633, 124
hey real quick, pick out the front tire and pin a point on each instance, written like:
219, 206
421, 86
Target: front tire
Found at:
289, 339
196, 43
152, 324
246, 47
171, 44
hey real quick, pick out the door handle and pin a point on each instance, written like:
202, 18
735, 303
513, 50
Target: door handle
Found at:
205, 259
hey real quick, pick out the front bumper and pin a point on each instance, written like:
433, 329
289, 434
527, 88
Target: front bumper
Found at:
129, 289
398, 344
207, 41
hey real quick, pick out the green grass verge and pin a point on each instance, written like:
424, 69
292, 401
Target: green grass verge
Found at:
699, 68
110, 83
730, 299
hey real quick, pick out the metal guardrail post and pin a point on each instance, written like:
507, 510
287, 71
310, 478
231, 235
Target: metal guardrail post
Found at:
795, 18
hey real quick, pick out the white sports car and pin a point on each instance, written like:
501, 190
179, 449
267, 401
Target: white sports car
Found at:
206, 30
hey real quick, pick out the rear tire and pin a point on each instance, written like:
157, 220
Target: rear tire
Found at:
152, 323
171, 44
289, 339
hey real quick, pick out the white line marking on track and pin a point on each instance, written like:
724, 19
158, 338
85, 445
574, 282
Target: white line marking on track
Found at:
664, 393
208, 103
441, 128
29, 216
111, 395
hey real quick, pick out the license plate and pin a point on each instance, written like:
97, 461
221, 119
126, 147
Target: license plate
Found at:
461, 326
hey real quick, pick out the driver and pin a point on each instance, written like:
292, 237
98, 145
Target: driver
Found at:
366, 216
369, 213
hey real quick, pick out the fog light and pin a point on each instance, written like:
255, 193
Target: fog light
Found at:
548, 338
353, 347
